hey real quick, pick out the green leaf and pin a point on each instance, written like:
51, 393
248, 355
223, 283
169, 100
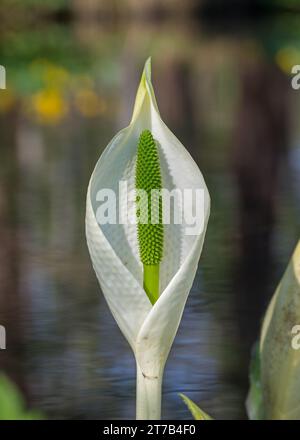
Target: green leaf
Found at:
254, 402
196, 412
12, 405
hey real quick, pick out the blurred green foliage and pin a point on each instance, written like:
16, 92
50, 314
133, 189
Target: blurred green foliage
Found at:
39, 4
19, 50
287, 4
12, 405
254, 403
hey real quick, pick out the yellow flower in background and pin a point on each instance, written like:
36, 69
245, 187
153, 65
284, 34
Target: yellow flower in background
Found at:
56, 76
49, 106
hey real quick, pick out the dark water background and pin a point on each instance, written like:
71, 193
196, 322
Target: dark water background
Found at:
224, 90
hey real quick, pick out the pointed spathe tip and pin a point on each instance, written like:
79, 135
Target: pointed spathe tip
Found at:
145, 88
147, 67
146, 76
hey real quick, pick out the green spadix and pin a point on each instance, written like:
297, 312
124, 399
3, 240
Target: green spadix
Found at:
149, 212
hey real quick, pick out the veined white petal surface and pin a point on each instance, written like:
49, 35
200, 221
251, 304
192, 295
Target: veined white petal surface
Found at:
280, 360
150, 330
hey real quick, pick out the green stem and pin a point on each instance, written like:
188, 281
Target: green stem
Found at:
148, 396
151, 281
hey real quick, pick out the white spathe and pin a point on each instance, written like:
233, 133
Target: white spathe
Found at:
150, 330
279, 358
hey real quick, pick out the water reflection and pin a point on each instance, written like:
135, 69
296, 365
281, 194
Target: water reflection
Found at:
261, 141
227, 97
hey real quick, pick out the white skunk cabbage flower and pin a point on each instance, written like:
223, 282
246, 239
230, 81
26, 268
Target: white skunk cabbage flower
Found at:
280, 347
149, 329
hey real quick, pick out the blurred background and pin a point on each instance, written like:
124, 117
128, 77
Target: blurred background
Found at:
222, 76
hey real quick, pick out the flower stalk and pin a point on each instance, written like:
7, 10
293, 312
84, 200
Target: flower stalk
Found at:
151, 281
148, 396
